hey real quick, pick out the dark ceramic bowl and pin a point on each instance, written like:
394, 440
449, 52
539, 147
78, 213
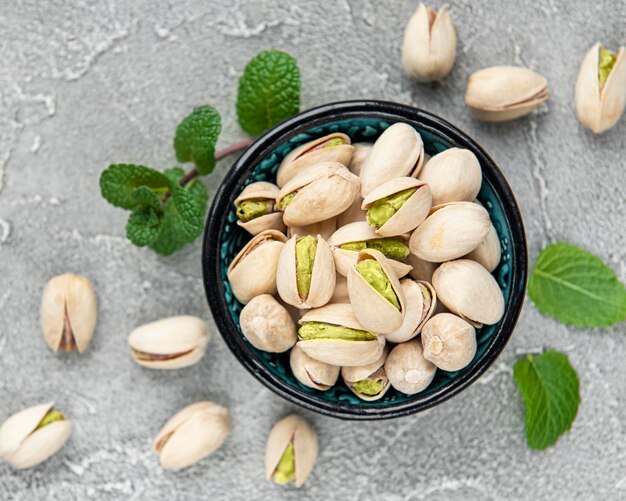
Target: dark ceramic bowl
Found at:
362, 121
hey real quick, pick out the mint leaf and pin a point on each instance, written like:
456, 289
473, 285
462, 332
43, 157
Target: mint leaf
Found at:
576, 287
196, 137
145, 197
269, 91
551, 392
119, 182
144, 226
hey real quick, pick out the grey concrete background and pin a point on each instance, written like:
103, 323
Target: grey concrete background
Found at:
87, 83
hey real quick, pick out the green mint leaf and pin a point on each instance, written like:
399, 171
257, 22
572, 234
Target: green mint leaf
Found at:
145, 197
144, 226
551, 392
576, 287
269, 91
119, 182
196, 137
174, 174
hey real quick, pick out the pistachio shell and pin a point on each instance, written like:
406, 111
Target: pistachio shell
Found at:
68, 312
371, 371
192, 434
170, 343
468, 290
488, 252
295, 430
271, 221
412, 213
259, 189
371, 309
321, 192
306, 156
502, 93
359, 157
322, 278
311, 372
449, 342
324, 228
453, 175
429, 46
422, 270
253, 271
600, 107
451, 231
418, 310
407, 369
267, 325
22, 445
397, 152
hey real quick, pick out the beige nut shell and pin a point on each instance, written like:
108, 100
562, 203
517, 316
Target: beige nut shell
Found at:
407, 369
449, 342
416, 313
267, 325
311, 372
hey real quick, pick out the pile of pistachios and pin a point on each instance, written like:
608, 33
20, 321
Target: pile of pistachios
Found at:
369, 261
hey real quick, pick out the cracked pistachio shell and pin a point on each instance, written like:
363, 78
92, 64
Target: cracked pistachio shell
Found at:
422, 270
192, 434
449, 342
170, 343
324, 228
321, 192
398, 152
311, 372
68, 313
298, 432
253, 271
451, 231
22, 445
467, 289
454, 175
488, 252
361, 154
407, 369
271, 221
429, 46
412, 213
503, 93
267, 325
371, 371
599, 107
359, 231
353, 213
312, 153
421, 302
340, 352
371, 309
322, 276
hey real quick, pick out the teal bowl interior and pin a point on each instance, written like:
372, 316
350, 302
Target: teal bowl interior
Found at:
232, 238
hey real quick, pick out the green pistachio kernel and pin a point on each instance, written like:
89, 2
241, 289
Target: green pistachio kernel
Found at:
286, 469
321, 330
373, 273
50, 417
391, 247
382, 210
305, 259
369, 387
286, 200
606, 62
253, 208
335, 141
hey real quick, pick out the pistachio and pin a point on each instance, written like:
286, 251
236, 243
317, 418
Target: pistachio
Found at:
382, 209
320, 192
398, 152
449, 342
250, 209
488, 252
253, 271
429, 46
267, 325
334, 147
170, 343
421, 302
454, 175
470, 291
310, 372
503, 93
368, 382
601, 88
192, 434
451, 231
255, 208
291, 451
373, 273
333, 335
407, 369
359, 157
32, 435
390, 247
68, 313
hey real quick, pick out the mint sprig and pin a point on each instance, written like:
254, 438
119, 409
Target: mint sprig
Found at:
196, 137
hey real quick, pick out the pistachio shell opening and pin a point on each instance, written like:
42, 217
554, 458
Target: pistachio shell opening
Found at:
383, 209
286, 469
320, 330
374, 275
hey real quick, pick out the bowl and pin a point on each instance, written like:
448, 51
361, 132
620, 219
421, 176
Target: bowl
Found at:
362, 121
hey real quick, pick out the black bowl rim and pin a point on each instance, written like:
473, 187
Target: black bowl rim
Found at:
235, 177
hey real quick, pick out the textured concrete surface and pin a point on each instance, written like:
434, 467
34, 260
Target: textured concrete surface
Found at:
87, 83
